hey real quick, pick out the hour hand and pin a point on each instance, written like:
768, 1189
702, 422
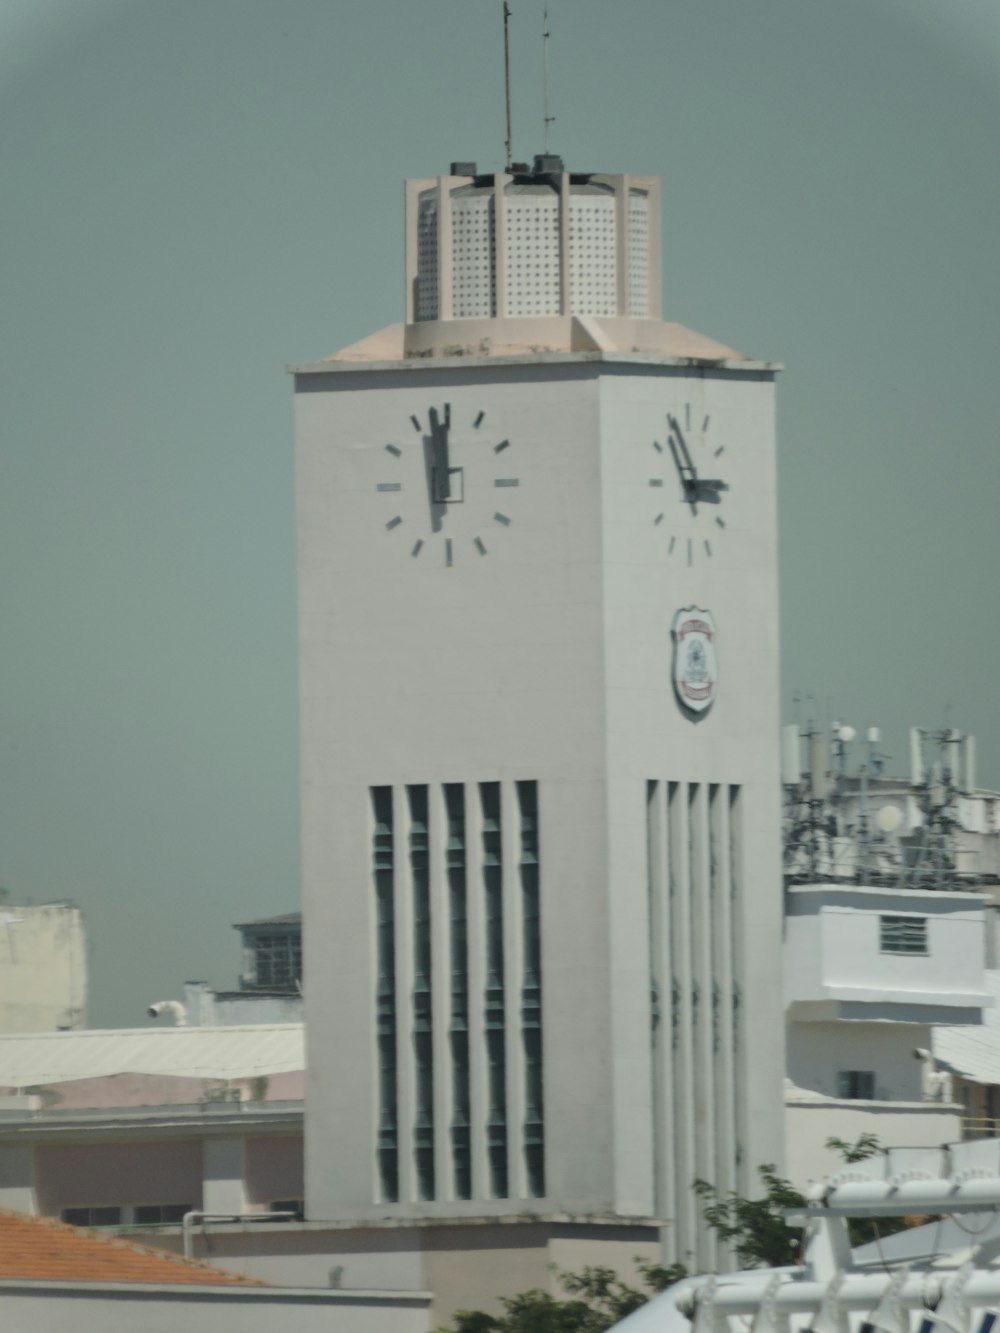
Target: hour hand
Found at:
710, 489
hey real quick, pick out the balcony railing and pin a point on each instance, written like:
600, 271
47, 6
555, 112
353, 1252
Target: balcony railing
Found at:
980, 1127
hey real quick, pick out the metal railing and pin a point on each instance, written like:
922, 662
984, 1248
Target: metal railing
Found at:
980, 1127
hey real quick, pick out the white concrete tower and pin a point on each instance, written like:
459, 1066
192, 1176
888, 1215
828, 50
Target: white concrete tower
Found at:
539, 693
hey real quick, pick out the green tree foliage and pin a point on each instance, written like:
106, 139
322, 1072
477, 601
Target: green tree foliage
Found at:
596, 1299
757, 1227
865, 1145
862, 1230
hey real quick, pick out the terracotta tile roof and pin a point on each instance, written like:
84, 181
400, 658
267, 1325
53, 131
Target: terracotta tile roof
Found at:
41, 1248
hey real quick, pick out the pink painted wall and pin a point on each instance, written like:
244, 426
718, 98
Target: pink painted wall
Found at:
273, 1170
168, 1090
166, 1171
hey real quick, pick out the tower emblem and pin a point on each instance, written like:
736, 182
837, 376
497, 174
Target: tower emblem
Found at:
696, 671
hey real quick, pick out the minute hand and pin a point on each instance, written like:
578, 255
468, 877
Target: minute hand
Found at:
695, 488
439, 453
682, 461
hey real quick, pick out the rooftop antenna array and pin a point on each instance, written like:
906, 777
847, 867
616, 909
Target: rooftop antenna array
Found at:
846, 822
509, 141
548, 118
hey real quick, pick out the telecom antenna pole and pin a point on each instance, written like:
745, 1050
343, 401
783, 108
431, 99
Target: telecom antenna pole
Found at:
506, 79
548, 119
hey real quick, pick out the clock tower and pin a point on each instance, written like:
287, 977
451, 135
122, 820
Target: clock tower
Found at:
539, 700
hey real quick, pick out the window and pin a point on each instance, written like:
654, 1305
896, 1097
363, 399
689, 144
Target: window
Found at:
903, 934
423, 1017
138, 1215
494, 999
160, 1214
277, 960
531, 991
458, 1030
383, 872
296, 1206
92, 1217
856, 1085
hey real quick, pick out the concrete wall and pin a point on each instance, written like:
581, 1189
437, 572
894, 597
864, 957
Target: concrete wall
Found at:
470, 1268
466, 1267
895, 1125
211, 1008
382, 1258
43, 968
817, 1051
57, 1307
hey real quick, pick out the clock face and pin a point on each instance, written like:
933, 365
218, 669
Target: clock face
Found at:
686, 480
451, 482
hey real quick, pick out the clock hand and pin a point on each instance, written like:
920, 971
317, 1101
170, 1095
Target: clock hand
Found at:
695, 487
709, 488
439, 453
682, 461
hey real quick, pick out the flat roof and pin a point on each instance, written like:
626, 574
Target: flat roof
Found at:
737, 365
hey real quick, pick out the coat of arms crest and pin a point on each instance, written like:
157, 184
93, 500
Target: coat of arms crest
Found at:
696, 671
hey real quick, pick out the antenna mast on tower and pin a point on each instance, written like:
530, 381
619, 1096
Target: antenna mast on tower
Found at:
506, 80
547, 118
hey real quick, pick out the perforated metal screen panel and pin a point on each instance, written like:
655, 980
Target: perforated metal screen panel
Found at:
592, 276
638, 254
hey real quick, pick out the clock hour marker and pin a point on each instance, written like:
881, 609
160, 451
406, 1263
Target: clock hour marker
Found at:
394, 449
687, 416
479, 420
658, 446
478, 544
708, 549
656, 481
721, 522
670, 548
689, 550
389, 486
704, 425
657, 519
417, 546
499, 448
506, 481
719, 450
447, 551
416, 424
394, 522
502, 518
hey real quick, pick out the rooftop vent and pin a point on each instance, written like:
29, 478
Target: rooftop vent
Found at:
548, 163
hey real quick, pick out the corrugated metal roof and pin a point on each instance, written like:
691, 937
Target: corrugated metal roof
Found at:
973, 1052
206, 1052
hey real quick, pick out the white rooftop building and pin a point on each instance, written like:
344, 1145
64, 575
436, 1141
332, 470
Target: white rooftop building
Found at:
43, 967
889, 889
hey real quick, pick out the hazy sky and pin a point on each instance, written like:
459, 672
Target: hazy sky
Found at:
197, 192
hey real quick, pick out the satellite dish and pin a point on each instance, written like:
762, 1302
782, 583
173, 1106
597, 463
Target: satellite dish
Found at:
889, 818
846, 734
